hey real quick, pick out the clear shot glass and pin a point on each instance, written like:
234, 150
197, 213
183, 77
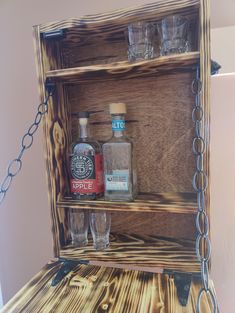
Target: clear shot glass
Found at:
78, 225
140, 37
173, 32
100, 223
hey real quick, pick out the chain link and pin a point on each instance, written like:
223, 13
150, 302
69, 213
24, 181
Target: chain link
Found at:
15, 165
200, 184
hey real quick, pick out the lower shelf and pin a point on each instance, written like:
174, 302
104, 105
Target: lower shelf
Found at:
142, 251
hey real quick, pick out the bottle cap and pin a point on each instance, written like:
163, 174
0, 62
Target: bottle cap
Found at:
83, 114
117, 108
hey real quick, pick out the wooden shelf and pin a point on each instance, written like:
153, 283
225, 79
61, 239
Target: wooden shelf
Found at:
125, 69
158, 253
182, 203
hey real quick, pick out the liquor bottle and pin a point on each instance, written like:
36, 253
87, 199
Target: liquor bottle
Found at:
86, 164
119, 169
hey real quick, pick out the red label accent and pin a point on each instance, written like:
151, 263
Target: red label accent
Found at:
99, 173
83, 186
86, 186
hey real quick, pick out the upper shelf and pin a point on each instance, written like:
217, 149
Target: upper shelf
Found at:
125, 69
181, 203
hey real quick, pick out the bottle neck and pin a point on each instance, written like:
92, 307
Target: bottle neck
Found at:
118, 125
83, 128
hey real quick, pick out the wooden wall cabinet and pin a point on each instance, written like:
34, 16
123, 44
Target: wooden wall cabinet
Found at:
86, 59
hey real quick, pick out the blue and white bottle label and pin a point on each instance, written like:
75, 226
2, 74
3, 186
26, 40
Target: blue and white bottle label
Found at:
117, 181
118, 125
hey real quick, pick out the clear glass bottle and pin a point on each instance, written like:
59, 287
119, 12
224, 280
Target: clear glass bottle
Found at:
86, 164
119, 168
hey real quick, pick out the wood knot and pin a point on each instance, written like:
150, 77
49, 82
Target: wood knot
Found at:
58, 134
93, 278
105, 306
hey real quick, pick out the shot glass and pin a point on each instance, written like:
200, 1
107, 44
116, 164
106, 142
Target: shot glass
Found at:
173, 32
78, 224
100, 223
140, 38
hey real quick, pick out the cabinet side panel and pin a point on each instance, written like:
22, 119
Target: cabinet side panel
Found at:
205, 74
42, 94
54, 129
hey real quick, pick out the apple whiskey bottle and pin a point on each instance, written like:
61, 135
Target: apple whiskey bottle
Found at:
119, 169
86, 164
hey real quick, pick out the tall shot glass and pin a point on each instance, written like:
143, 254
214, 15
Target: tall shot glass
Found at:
78, 225
100, 223
140, 36
173, 31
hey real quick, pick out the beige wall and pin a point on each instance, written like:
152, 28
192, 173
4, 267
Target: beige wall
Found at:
223, 47
25, 238
223, 187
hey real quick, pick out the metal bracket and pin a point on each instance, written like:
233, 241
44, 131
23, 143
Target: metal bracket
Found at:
66, 267
54, 34
183, 284
215, 67
50, 87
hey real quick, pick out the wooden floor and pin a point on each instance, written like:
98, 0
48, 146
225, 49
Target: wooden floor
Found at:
91, 289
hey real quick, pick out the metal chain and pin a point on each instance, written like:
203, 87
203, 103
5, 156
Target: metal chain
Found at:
15, 165
200, 184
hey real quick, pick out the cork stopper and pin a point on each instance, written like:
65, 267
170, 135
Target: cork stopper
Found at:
117, 108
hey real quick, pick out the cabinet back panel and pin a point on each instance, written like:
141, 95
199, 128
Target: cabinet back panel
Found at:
155, 224
159, 123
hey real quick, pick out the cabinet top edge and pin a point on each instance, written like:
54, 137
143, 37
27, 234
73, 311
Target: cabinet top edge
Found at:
143, 12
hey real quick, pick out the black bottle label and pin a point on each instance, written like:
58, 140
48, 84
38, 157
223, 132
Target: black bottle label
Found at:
87, 174
82, 167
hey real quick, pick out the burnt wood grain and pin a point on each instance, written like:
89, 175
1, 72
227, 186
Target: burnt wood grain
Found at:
92, 289
179, 203
172, 225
